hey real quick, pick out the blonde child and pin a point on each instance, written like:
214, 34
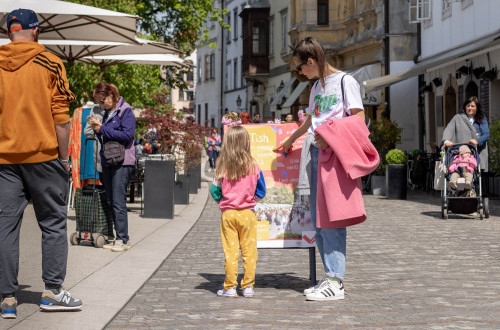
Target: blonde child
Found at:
238, 185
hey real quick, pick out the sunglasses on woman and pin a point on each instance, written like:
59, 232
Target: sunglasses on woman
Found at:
299, 67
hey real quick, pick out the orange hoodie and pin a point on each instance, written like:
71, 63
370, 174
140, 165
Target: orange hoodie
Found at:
34, 96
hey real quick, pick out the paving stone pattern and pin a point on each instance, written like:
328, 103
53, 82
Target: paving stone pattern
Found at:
406, 268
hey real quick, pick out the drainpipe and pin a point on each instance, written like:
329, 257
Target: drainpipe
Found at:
387, 111
222, 68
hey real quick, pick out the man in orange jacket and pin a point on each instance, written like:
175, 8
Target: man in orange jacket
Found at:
34, 136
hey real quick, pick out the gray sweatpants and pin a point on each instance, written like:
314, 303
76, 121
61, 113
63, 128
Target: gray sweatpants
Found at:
46, 184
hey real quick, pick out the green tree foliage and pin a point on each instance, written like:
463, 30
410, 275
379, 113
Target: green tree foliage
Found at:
173, 21
181, 23
494, 147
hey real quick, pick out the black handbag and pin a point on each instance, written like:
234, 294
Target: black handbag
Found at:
113, 152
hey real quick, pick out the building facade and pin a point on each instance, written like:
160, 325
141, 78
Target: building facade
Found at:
209, 76
462, 57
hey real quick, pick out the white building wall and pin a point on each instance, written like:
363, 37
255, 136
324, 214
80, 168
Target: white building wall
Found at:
404, 109
234, 52
277, 10
208, 92
469, 21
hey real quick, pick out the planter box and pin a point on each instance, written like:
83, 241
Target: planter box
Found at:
181, 189
159, 178
194, 179
396, 181
378, 185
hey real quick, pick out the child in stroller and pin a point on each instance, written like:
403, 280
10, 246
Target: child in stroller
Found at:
462, 169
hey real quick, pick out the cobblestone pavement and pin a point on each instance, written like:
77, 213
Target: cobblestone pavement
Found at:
406, 268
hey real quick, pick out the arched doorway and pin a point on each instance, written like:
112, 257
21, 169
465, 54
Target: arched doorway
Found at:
471, 90
450, 102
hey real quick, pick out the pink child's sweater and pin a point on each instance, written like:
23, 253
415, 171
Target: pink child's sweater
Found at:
462, 161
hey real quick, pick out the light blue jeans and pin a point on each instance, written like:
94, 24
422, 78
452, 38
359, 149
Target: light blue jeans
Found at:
331, 242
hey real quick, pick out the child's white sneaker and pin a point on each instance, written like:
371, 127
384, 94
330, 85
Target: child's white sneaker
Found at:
228, 293
248, 292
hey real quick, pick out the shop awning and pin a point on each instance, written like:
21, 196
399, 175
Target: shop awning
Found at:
456, 55
366, 73
280, 95
295, 94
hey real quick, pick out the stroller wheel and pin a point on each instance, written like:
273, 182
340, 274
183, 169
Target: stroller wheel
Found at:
486, 203
481, 214
444, 213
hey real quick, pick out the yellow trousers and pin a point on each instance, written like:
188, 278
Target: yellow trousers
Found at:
238, 229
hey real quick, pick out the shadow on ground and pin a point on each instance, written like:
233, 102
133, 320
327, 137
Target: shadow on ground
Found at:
25, 296
281, 281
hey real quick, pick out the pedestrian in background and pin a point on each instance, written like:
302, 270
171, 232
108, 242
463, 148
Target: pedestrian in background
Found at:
256, 118
245, 118
237, 186
213, 142
289, 118
34, 163
310, 60
118, 125
469, 126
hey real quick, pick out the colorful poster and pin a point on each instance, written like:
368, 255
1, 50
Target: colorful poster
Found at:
284, 216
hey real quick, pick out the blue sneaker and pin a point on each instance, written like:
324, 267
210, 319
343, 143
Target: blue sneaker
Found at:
60, 302
9, 306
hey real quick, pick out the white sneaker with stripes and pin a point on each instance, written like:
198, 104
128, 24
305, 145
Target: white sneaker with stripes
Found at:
328, 290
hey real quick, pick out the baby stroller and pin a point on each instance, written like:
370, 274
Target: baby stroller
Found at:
460, 200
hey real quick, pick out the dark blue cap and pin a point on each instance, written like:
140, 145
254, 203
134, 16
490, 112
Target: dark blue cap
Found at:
26, 17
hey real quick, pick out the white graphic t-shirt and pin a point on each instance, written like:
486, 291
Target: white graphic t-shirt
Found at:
327, 103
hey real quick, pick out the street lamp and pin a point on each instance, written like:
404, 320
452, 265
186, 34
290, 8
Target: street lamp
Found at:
281, 86
238, 102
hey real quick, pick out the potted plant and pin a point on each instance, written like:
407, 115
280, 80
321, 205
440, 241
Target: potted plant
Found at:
396, 174
494, 158
385, 135
180, 140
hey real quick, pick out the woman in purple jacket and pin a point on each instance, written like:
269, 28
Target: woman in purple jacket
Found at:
118, 124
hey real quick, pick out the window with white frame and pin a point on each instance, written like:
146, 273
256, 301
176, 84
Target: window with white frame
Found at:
284, 32
199, 70
227, 75
445, 9
235, 73
207, 66
228, 32
271, 36
235, 23
419, 10
212, 66
258, 38
243, 81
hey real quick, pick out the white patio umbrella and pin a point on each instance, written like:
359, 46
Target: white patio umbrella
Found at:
155, 59
71, 21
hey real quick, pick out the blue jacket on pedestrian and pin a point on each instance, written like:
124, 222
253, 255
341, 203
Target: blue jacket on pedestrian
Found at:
119, 125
